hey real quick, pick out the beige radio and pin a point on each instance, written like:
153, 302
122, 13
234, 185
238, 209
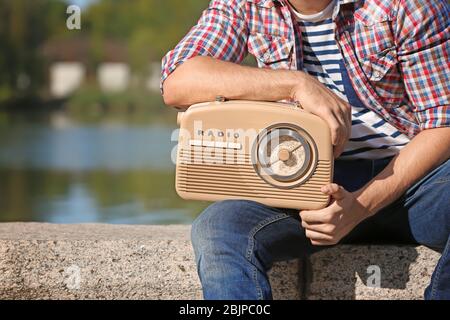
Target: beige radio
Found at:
273, 153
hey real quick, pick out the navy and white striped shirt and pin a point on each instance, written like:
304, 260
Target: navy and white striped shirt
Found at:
372, 137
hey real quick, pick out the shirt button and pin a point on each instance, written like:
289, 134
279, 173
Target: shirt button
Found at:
266, 55
377, 75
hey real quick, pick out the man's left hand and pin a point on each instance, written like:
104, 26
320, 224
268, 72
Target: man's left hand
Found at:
328, 226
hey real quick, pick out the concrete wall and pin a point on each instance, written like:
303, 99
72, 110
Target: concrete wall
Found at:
48, 261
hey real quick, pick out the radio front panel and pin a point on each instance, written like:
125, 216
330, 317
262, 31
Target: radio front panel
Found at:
266, 152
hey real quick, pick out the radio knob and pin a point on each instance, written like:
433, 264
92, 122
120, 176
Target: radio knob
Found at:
284, 154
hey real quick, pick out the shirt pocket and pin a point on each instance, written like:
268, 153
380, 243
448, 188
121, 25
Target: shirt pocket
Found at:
373, 32
382, 71
377, 66
271, 51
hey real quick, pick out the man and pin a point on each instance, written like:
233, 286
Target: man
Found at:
377, 71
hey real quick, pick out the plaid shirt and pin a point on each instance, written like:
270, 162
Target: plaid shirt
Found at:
396, 51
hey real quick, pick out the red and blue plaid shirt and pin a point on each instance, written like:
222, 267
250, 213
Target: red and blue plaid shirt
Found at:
396, 51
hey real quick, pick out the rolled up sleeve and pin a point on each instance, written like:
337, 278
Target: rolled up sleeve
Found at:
221, 33
423, 34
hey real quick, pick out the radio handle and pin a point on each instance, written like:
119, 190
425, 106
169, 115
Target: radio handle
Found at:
179, 117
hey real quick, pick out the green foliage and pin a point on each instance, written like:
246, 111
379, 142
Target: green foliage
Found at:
24, 26
135, 106
147, 28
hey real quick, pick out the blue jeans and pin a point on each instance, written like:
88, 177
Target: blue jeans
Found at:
236, 242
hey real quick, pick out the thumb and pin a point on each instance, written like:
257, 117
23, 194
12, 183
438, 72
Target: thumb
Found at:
334, 190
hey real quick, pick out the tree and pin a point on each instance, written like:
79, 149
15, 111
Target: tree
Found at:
148, 29
24, 26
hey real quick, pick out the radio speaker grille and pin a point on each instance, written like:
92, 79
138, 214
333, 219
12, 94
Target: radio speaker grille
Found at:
198, 173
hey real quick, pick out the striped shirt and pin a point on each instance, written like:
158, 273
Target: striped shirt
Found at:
396, 51
372, 137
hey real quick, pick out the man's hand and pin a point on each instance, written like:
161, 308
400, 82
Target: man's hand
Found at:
328, 226
317, 99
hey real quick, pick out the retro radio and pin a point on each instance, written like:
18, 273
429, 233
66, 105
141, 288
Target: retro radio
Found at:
273, 153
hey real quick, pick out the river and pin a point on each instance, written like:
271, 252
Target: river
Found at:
62, 171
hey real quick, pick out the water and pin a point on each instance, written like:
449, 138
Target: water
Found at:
65, 172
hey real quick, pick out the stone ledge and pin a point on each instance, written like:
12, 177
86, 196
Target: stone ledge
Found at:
346, 272
96, 261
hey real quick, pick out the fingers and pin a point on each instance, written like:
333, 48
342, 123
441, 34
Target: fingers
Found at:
320, 226
327, 214
334, 190
324, 228
322, 243
313, 216
337, 151
346, 114
340, 127
319, 239
321, 101
318, 236
340, 117
343, 117
335, 126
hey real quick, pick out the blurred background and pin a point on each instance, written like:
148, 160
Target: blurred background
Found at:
84, 134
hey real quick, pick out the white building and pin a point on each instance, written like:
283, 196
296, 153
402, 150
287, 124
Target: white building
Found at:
69, 61
113, 76
65, 78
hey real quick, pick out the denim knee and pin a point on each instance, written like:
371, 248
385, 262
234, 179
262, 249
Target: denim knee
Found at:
216, 220
429, 217
200, 231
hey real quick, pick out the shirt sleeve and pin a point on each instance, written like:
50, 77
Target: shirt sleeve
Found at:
422, 33
221, 32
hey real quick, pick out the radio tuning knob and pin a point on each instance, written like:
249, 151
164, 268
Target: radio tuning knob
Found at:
284, 155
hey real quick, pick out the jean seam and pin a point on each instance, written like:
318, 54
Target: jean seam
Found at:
251, 246
423, 188
255, 280
438, 271
438, 181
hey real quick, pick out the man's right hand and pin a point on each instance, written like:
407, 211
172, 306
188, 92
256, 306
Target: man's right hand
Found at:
317, 99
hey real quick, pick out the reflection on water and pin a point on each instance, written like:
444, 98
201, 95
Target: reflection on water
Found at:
81, 148
75, 173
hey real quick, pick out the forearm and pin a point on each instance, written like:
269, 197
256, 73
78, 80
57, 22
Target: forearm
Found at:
203, 78
425, 152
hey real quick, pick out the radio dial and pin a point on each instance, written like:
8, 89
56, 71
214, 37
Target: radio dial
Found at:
283, 155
